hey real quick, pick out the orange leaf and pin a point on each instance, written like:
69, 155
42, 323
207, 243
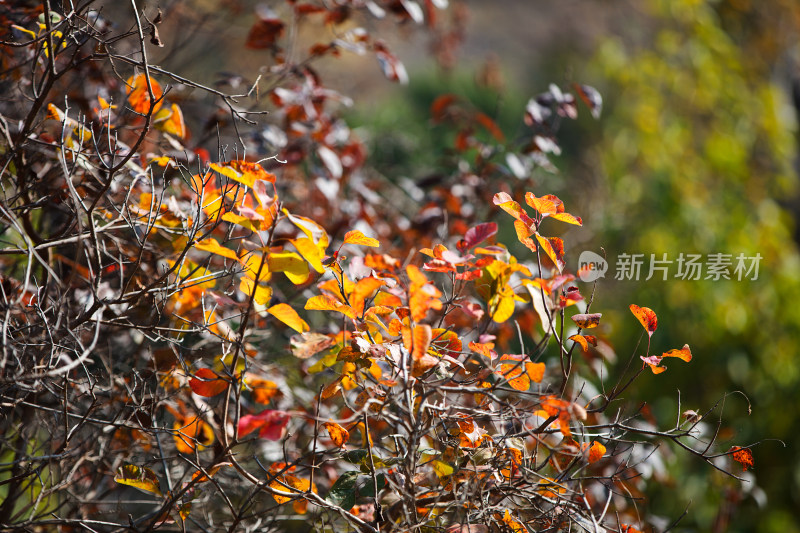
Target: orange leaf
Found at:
543, 205
743, 456
364, 289
243, 172
139, 96
554, 248
263, 389
596, 452
207, 383
192, 433
286, 314
490, 126
647, 318
684, 354
513, 371
338, 434
356, 237
587, 321
535, 371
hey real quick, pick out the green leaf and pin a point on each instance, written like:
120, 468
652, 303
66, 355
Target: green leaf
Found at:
369, 487
343, 492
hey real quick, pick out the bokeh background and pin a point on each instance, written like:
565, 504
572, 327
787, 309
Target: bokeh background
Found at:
695, 153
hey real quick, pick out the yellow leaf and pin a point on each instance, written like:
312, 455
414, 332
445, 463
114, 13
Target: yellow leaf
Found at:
310, 252
212, 246
286, 314
262, 294
442, 469
291, 264
326, 303
139, 477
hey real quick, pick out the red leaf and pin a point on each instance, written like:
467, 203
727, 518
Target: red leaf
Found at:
272, 424
477, 235
440, 105
264, 33
207, 383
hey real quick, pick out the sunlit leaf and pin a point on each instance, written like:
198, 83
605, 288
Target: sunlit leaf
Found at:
596, 452
286, 314
170, 121
243, 172
139, 96
139, 477
356, 237
323, 302
270, 423
292, 265
442, 469
338, 434
212, 246
684, 354
309, 344
262, 296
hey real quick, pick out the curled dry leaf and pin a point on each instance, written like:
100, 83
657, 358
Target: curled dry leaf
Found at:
587, 321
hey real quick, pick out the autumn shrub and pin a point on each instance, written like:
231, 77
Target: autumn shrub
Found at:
245, 327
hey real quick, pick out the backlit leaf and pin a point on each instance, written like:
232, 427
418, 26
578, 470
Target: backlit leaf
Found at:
684, 354
207, 383
270, 423
139, 96
139, 477
743, 456
647, 318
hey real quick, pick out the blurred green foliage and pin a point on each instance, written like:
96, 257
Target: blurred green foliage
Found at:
697, 154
